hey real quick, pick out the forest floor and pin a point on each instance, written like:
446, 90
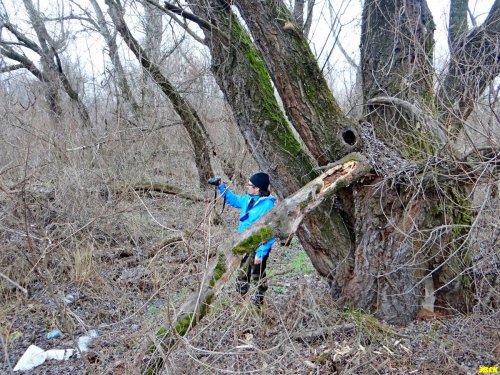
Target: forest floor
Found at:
125, 273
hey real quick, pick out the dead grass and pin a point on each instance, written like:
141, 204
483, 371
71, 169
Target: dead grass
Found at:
92, 259
126, 287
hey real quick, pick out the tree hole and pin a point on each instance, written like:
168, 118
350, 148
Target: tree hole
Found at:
349, 137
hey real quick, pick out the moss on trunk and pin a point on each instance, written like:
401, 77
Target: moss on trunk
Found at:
252, 242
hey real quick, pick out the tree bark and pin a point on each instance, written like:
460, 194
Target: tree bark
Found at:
309, 16
298, 12
197, 133
153, 29
153, 26
458, 21
24, 63
242, 76
307, 100
397, 252
396, 52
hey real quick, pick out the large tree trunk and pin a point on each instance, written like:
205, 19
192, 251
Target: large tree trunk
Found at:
396, 46
410, 235
241, 74
396, 240
327, 234
308, 102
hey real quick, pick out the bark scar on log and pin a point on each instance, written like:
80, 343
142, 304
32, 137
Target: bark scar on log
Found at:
340, 172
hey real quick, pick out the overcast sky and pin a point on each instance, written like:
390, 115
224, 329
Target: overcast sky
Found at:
349, 27
350, 11
89, 51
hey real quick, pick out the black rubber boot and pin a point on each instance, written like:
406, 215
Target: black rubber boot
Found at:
242, 287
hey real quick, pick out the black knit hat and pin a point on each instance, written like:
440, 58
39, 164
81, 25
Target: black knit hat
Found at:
261, 180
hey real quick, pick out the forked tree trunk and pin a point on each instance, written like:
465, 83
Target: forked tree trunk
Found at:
385, 241
474, 63
54, 76
396, 42
410, 233
307, 100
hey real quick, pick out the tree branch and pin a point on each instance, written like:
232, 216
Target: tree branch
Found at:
11, 68
472, 18
284, 219
346, 55
426, 120
25, 62
197, 132
492, 21
298, 12
172, 10
9, 280
22, 38
71, 17
309, 17
457, 22
474, 63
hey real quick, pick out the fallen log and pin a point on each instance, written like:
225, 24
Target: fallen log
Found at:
281, 223
158, 187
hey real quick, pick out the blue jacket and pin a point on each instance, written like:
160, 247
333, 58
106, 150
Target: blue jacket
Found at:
261, 206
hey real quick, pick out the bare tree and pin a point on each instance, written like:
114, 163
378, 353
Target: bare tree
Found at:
473, 64
153, 36
197, 133
110, 39
47, 48
298, 12
398, 237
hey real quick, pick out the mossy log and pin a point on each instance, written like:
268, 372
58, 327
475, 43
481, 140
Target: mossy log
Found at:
281, 223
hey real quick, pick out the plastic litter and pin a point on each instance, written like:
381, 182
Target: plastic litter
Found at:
34, 356
68, 299
60, 354
84, 341
54, 333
